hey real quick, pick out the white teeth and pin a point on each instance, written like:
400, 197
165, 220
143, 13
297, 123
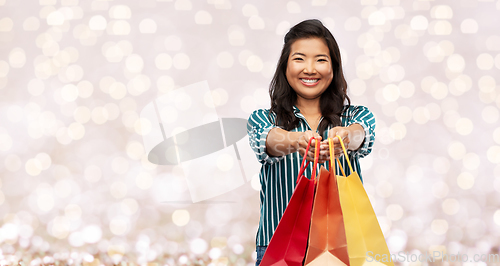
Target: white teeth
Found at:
309, 80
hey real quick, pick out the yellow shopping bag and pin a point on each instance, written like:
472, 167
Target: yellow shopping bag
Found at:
365, 241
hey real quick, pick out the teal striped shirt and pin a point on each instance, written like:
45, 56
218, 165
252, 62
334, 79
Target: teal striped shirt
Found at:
279, 174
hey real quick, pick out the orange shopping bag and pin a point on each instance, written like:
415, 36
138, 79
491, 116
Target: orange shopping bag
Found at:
327, 239
365, 241
289, 241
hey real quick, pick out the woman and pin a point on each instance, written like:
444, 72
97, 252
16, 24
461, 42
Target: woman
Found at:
308, 99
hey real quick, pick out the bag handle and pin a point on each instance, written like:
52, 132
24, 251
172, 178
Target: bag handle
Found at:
316, 156
332, 163
346, 157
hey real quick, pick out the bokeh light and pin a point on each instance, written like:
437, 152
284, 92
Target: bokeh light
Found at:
180, 217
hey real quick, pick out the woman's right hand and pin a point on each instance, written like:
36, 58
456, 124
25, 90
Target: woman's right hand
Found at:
302, 142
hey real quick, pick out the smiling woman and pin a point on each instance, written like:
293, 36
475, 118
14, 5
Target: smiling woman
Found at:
308, 99
309, 73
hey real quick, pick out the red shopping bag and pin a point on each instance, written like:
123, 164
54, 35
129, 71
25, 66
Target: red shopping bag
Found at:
289, 242
327, 238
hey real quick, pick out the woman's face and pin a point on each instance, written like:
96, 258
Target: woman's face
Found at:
309, 69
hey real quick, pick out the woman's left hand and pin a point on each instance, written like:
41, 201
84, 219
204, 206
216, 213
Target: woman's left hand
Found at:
344, 133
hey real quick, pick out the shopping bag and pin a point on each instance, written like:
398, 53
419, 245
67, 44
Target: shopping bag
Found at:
327, 240
365, 241
289, 241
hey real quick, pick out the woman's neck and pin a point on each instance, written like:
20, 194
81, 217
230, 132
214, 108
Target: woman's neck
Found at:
308, 107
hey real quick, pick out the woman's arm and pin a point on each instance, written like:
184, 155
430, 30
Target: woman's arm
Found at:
271, 143
280, 142
359, 136
352, 136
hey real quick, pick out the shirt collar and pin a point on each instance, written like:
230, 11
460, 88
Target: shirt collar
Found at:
297, 113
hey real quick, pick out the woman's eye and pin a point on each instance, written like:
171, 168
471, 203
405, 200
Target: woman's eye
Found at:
298, 58
322, 60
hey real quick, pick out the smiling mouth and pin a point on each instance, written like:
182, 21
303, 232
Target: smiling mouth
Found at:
309, 82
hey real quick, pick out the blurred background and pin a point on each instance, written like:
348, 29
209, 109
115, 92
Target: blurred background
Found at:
77, 188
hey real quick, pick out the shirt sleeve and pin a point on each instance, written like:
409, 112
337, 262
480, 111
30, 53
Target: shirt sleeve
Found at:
258, 127
361, 115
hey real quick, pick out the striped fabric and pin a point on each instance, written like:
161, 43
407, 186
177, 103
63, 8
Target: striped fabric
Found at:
278, 174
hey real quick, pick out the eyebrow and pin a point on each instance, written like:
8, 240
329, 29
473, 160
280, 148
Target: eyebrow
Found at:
305, 55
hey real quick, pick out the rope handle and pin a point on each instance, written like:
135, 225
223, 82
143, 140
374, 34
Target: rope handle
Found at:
345, 153
302, 166
332, 163
316, 157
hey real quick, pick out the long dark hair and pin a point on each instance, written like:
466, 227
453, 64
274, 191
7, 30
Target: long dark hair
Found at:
283, 97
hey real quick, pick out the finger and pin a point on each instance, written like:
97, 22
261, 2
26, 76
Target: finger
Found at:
337, 142
324, 149
324, 153
334, 131
310, 154
301, 151
331, 133
307, 136
325, 145
346, 142
315, 142
343, 133
311, 159
303, 140
323, 157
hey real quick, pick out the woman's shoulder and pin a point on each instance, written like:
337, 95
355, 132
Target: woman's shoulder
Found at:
262, 115
352, 110
260, 112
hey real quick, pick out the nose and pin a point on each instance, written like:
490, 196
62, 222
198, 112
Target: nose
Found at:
309, 68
